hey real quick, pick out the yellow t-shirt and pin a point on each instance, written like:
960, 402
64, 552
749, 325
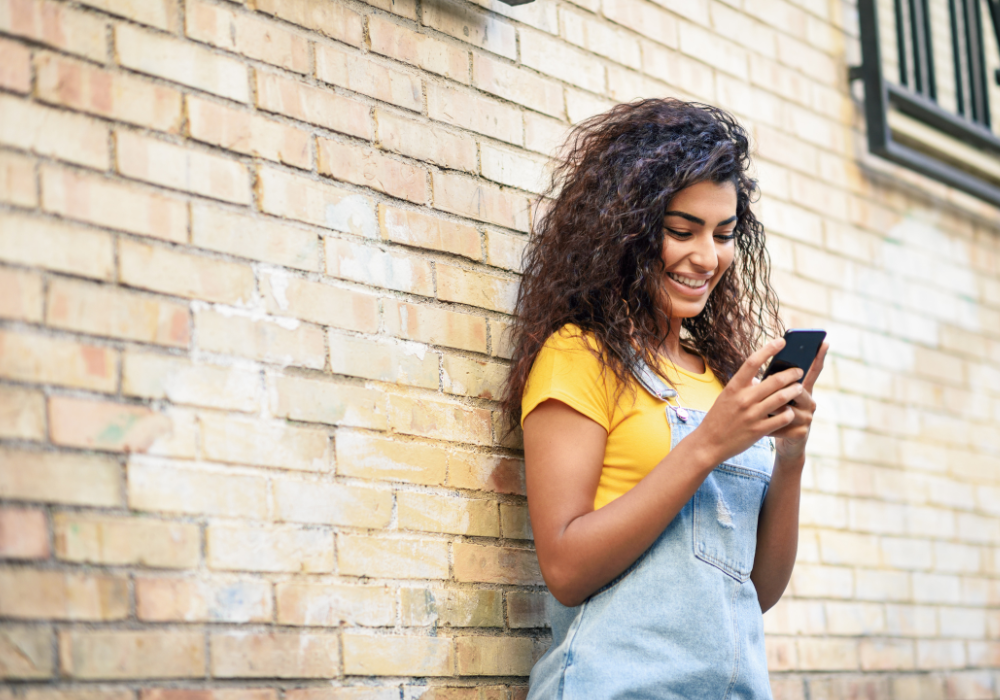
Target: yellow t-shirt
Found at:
567, 369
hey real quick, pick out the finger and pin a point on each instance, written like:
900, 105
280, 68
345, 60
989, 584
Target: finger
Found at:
773, 403
816, 367
751, 367
776, 382
782, 419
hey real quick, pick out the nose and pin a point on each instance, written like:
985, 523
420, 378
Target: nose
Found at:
703, 254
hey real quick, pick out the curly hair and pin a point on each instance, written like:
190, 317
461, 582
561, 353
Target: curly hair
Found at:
595, 259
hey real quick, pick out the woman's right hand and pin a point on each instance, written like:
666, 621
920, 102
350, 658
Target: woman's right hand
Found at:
748, 409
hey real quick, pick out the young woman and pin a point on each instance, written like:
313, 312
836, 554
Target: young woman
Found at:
663, 477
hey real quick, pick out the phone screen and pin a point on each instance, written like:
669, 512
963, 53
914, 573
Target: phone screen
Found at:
801, 347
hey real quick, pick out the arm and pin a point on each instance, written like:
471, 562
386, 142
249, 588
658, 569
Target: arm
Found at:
778, 528
580, 549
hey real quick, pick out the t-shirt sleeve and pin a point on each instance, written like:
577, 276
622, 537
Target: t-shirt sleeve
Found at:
567, 369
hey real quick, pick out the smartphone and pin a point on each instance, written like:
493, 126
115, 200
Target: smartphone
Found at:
801, 347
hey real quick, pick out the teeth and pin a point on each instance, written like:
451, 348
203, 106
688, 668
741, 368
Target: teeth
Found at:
686, 281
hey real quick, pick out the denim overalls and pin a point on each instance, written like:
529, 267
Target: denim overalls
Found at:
683, 622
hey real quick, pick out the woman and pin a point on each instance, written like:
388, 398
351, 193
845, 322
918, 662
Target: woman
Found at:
663, 478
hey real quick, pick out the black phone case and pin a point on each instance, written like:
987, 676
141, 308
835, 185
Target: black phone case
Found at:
801, 348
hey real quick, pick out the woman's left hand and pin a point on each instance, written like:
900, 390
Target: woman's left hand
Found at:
791, 440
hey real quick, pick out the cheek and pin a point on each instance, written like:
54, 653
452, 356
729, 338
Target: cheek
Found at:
726, 256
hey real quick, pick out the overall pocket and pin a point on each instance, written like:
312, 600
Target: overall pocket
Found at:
726, 510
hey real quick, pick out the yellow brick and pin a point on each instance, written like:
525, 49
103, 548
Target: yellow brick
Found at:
401, 363
505, 250
335, 21
94, 539
369, 168
543, 134
326, 503
109, 204
92, 655
164, 270
514, 522
268, 444
26, 653
161, 14
22, 413
437, 326
828, 655
56, 25
396, 41
105, 425
181, 62
190, 600
183, 382
451, 607
316, 203
476, 288
182, 168
285, 341
273, 548
427, 141
274, 655
321, 401
17, 179
812, 581
118, 96
368, 457
475, 563
248, 35
54, 595
20, 295
436, 419
54, 245
313, 105
376, 557
647, 19
516, 85
465, 196
264, 239
24, 533
526, 610
554, 58
468, 110
46, 360
329, 605
52, 477
378, 267
485, 472
156, 485
466, 23
247, 133
457, 516
286, 295
494, 656
359, 73
383, 655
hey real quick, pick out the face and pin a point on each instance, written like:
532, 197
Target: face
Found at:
698, 244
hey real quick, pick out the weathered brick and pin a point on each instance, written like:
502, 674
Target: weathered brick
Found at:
183, 382
20, 295
424, 231
476, 563
244, 132
54, 245
246, 34
383, 655
182, 168
469, 111
940, 654
110, 204
104, 425
368, 168
368, 457
269, 444
428, 324
264, 239
476, 288
644, 18
161, 14
517, 85
513, 168
466, 23
465, 196
601, 39
47, 360
484, 472
200, 600
274, 655
92, 655
285, 295
57, 25
458, 516
380, 557
15, 73
526, 610
95, 539
494, 656
421, 50
357, 72
505, 250
159, 486
313, 105
52, 477
208, 694
368, 264
316, 203
436, 419
543, 135
164, 270
451, 607
22, 413
24, 534
427, 141
399, 363
325, 503
273, 548
18, 184
55, 595
26, 653
321, 401
281, 340
514, 522
181, 62
330, 605
335, 21
552, 57
85, 88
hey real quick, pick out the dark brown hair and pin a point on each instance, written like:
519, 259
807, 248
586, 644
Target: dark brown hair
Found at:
595, 259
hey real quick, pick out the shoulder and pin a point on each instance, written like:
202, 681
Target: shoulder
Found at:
572, 339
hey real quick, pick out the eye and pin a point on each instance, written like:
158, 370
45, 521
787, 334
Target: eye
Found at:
682, 235
725, 236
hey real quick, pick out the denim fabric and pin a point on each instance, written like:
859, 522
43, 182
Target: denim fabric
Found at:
683, 622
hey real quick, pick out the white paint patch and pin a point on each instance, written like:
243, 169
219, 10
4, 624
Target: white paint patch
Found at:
279, 286
354, 215
252, 314
414, 349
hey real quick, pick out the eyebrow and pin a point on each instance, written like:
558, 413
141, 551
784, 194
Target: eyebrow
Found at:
695, 219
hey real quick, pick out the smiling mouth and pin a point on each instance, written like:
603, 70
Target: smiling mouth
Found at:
687, 281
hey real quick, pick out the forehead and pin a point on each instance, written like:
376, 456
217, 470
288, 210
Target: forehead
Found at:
710, 198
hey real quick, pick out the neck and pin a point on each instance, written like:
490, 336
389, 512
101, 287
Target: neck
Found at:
672, 345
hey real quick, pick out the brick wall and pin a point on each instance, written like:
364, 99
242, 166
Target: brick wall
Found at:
256, 261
